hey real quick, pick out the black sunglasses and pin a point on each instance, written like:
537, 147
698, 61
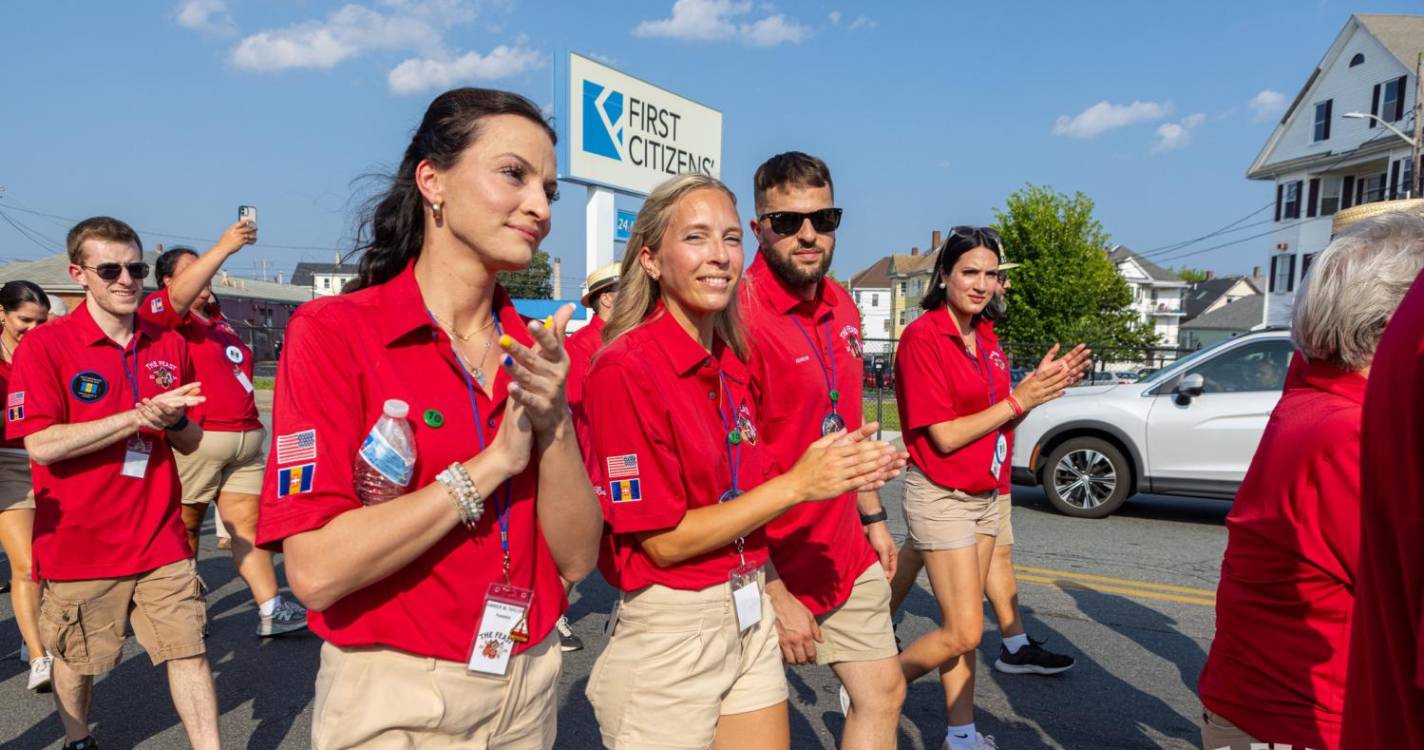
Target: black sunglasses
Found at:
789, 222
975, 233
138, 270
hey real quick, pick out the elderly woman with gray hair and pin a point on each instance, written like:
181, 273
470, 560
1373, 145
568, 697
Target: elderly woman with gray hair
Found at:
1276, 671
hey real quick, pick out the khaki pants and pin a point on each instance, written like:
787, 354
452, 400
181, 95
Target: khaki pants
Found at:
379, 698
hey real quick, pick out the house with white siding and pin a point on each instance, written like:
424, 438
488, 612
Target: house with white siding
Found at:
1157, 293
871, 291
1332, 148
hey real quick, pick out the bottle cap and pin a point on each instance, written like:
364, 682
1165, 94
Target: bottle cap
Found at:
396, 408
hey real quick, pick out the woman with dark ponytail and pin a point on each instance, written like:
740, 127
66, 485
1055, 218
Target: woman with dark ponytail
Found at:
433, 551
23, 305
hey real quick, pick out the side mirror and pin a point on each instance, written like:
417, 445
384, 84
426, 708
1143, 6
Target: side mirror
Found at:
1189, 387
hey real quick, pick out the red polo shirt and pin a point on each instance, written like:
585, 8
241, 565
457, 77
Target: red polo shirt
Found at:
219, 356
10, 441
92, 521
1277, 666
937, 380
660, 448
819, 548
1386, 677
345, 356
581, 347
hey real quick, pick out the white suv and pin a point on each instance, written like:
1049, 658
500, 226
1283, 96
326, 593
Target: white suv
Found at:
1188, 429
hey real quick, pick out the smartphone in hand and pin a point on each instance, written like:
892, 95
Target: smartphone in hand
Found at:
247, 214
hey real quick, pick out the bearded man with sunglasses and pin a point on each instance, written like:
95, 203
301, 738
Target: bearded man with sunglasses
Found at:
833, 559
100, 398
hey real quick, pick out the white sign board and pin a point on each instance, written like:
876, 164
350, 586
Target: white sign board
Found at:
629, 135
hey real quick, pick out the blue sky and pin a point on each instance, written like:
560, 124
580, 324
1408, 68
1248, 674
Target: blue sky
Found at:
171, 114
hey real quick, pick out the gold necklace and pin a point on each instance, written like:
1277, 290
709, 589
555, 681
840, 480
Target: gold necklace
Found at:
477, 371
450, 328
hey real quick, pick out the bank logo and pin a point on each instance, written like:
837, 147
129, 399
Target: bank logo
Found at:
602, 121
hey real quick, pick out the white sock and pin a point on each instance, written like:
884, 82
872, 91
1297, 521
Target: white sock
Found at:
1015, 642
961, 737
268, 607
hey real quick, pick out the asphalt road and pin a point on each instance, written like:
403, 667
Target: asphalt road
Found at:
1130, 596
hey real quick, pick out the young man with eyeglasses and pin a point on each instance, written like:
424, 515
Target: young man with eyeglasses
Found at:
100, 398
833, 560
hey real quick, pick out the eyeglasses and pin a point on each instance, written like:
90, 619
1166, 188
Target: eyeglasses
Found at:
976, 233
789, 222
138, 270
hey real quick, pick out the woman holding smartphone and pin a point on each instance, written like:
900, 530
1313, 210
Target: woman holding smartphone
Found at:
437, 605
694, 658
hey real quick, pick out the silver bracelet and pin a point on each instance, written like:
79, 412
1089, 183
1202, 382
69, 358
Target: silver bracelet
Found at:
468, 503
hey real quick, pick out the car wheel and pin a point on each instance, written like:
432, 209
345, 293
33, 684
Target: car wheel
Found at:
1086, 477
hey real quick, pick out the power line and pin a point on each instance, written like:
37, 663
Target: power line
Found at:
23, 233
172, 235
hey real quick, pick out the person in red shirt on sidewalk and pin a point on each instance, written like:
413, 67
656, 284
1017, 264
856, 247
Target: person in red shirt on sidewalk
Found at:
227, 467
693, 659
1277, 667
100, 398
437, 605
952, 391
833, 559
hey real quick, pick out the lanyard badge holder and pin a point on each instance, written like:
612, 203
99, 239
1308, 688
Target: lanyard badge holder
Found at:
138, 449
504, 621
832, 421
744, 578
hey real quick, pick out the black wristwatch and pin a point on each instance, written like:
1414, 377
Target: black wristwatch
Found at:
876, 517
179, 425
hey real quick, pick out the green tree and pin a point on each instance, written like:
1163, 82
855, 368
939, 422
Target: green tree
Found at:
1068, 290
534, 282
1191, 275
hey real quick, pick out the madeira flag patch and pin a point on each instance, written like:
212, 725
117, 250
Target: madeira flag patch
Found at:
295, 480
625, 491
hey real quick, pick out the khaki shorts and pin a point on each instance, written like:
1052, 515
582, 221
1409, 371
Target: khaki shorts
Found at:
1218, 733
677, 662
82, 623
17, 491
382, 698
224, 462
859, 629
1006, 521
940, 518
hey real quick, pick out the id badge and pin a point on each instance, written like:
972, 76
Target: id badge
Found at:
136, 457
505, 622
1001, 454
243, 379
746, 595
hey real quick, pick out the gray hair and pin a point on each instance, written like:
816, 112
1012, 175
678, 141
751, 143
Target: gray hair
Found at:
1354, 287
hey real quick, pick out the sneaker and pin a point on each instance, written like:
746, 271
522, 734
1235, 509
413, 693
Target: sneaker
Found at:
568, 641
88, 743
981, 742
40, 674
288, 616
845, 702
1032, 659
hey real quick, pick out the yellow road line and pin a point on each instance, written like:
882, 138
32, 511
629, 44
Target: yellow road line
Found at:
1139, 589
1211, 593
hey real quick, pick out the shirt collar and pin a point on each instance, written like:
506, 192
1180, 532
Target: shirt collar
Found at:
684, 353
405, 311
1327, 377
93, 334
943, 323
778, 296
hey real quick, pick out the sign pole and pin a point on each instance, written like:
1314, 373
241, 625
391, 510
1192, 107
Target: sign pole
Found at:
599, 218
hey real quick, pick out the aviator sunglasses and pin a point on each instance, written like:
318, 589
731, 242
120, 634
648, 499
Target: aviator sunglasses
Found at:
138, 270
789, 222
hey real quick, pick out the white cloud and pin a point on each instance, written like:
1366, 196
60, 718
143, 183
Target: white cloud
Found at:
351, 31
861, 22
416, 75
715, 20
1105, 116
205, 15
1267, 104
835, 17
1174, 135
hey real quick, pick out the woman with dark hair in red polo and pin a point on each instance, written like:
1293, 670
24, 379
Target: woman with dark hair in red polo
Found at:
438, 605
952, 390
694, 658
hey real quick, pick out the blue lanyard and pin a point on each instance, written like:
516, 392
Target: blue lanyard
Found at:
734, 448
501, 506
829, 373
981, 367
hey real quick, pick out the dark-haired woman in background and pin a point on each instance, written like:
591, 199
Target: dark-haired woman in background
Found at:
24, 306
952, 388
437, 606
227, 467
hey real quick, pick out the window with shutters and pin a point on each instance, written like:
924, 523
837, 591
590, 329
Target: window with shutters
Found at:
1372, 187
1282, 269
1330, 196
1322, 120
1391, 107
1312, 197
1407, 186
1290, 205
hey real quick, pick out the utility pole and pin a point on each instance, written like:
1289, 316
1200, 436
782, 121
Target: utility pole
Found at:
1418, 127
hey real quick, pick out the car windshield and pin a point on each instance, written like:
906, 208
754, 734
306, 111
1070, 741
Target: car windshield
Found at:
1176, 368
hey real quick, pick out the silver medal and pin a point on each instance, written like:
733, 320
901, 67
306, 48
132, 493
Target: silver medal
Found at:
832, 423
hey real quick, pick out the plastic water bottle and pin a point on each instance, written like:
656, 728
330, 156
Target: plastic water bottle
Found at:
386, 461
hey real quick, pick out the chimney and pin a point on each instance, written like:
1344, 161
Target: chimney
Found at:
1255, 272
558, 274
914, 251
934, 241
1210, 275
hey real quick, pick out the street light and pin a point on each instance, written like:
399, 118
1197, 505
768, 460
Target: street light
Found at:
1376, 118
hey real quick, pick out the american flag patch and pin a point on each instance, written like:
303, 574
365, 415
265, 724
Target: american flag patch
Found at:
296, 446
15, 399
623, 466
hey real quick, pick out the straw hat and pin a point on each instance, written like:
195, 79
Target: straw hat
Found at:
1367, 210
599, 281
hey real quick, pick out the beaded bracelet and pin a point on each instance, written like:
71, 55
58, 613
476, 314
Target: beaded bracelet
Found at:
468, 502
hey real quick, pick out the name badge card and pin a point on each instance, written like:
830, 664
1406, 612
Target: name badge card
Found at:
136, 457
243, 379
1001, 454
746, 595
504, 623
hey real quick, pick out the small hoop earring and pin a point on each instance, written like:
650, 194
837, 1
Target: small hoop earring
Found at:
438, 209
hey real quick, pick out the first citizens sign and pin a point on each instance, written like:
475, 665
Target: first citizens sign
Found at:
629, 135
